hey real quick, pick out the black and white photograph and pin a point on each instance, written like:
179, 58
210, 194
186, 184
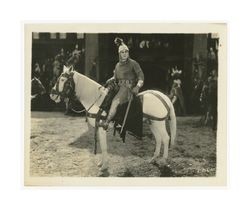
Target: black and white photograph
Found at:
128, 104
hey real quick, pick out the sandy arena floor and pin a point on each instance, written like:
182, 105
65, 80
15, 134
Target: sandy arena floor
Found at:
63, 146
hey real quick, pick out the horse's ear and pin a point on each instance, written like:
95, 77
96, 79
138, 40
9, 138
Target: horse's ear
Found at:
71, 69
65, 69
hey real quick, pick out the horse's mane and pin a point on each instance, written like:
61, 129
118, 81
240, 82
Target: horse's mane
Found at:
87, 81
87, 89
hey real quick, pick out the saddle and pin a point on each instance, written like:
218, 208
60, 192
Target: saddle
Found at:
134, 118
133, 122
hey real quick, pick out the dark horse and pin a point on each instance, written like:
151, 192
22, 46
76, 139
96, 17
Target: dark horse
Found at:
37, 88
38, 92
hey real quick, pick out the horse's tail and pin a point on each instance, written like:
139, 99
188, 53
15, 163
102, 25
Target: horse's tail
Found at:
172, 124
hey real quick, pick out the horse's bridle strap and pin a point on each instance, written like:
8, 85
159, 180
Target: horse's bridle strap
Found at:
150, 117
69, 80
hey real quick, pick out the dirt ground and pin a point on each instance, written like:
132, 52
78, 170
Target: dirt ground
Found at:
63, 146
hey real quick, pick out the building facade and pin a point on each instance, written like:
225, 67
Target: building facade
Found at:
157, 54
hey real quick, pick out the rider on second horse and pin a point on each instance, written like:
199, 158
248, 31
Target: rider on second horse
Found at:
127, 80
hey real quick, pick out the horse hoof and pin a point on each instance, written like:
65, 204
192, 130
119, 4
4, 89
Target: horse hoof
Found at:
104, 167
164, 160
152, 160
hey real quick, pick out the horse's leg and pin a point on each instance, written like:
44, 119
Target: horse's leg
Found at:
165, 138
155, 131
102, 135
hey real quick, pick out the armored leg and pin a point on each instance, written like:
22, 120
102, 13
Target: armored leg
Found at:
111, 114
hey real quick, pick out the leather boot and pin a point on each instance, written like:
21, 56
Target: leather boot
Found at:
105, 123
112, 112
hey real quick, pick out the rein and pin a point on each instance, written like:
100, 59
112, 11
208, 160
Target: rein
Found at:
94, 101
87, 110
66, 94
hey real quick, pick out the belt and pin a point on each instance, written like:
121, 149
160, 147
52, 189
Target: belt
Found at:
125, 82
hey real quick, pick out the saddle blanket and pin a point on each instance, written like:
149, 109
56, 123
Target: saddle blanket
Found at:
134, 119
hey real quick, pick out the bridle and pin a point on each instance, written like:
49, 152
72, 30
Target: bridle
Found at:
68, 87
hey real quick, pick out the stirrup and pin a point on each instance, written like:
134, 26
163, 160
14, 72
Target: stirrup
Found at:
104, 124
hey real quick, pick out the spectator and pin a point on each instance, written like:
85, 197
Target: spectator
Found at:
176, 94
76, 51
37, 70
57, 67
168, 81
199, 67
208, 100
72, 61
42, 73
62, 57
212, 60
48, 74
195, 95
93, 70
212, 94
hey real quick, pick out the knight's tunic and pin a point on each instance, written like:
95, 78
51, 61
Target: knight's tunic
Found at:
129, 70
127, 75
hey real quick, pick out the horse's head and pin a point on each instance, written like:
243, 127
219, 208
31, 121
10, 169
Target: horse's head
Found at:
64, 87
37, 87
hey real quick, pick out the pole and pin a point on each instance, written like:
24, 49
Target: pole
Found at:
126, 114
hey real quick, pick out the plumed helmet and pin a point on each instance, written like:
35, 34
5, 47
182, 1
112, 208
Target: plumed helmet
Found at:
176, 74
120, 44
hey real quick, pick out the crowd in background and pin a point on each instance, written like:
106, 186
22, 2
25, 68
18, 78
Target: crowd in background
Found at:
204, 81
204, 89
45, 73
49, 69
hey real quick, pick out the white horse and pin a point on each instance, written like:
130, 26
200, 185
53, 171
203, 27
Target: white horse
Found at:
157, 107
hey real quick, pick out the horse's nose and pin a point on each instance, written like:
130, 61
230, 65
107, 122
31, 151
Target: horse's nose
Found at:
55, 97
51, 95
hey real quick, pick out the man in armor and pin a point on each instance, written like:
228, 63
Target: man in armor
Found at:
128, 79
